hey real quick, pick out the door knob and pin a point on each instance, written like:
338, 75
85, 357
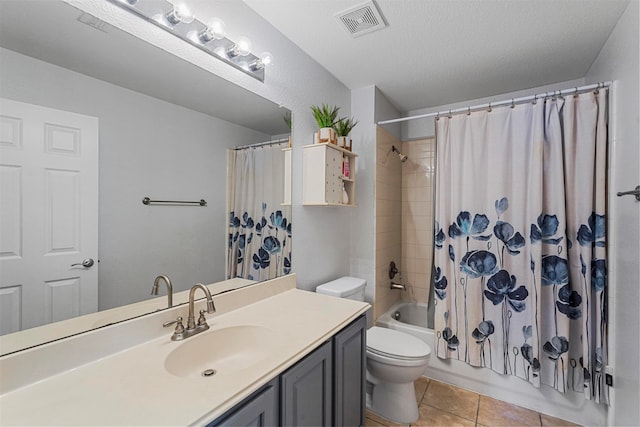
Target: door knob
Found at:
86, 263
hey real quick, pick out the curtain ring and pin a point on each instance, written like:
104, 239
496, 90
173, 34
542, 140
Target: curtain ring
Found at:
437, 116
513, 105
450, 114
575, 94
468, 110
597, 91
489, 109
535, 99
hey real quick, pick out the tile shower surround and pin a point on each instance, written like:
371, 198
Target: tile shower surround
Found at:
404, 218
417, 217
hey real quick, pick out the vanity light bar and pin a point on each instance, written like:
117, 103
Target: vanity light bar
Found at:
174, 18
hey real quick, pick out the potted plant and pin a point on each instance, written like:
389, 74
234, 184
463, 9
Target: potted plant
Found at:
343, 127
326, 117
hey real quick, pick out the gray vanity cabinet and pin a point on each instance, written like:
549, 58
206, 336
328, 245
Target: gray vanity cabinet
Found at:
324, 388
349, 359
259, 410
306, 390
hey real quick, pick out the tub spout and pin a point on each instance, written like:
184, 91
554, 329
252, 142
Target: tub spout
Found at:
400, 286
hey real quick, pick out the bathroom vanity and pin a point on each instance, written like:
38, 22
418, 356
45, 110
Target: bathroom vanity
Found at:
324, 388
280, 356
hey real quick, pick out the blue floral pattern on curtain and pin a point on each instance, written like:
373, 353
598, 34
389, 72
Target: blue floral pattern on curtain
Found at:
520, 273
272, 253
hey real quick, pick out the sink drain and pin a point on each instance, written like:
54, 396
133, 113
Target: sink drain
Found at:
208, 372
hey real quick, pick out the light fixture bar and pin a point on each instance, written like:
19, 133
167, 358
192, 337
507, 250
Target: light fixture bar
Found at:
159, 13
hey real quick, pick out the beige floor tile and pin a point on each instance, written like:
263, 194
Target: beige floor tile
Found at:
382, 421
370, 416
454, 400
430, 416
549, 421
372, 423
421, 385
494, 412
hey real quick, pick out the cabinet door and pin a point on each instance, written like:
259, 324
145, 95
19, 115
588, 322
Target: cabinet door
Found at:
306, 390
333, 184
260, 410
349, 349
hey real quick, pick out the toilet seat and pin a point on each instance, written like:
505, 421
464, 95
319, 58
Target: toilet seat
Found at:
389, 343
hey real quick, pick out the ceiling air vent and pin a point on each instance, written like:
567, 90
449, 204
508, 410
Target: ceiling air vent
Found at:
362, 19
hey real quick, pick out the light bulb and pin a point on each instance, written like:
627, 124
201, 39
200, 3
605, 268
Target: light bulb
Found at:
214, 31
265, 59
220, 51
241, 48
244, 46
180, 13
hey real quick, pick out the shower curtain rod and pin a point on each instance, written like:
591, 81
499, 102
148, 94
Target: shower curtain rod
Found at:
511, 101
261, 144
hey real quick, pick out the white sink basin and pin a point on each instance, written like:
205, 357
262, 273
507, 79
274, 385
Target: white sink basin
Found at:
224, 351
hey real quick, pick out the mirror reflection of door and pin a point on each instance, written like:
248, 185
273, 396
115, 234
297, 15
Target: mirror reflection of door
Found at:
48, 187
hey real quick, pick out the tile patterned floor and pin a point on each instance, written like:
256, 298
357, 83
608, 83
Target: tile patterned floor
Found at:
443, 405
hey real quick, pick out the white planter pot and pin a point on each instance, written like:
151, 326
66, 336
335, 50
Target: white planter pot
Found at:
327, 135
344, 142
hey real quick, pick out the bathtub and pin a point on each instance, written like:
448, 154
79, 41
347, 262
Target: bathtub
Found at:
412, 319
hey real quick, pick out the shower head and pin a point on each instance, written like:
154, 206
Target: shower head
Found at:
403, 158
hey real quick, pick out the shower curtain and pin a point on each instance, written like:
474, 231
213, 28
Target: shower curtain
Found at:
259, 228
520, 272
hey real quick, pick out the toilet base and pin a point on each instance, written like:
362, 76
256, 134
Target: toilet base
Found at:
394, 401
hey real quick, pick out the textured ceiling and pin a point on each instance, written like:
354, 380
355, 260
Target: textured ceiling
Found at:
436, 52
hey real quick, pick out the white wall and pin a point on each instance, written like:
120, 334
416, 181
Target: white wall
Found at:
149, 148
368, 105
618, 61
362, 230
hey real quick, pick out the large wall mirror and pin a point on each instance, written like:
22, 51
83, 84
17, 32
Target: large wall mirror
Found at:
164, 130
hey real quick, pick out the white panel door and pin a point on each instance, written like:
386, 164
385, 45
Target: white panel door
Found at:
48, 215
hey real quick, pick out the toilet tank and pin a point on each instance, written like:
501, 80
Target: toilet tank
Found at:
344, 287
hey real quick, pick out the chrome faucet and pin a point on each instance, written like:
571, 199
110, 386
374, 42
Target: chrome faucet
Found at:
192, 328
167, 281
191, 321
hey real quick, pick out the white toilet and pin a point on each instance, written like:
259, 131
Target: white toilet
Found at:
394, 360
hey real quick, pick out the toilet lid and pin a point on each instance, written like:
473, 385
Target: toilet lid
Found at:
394, 343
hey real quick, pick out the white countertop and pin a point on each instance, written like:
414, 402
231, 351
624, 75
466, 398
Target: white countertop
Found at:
133, 387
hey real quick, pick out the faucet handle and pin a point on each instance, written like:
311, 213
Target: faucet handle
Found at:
202, 320
179, 326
